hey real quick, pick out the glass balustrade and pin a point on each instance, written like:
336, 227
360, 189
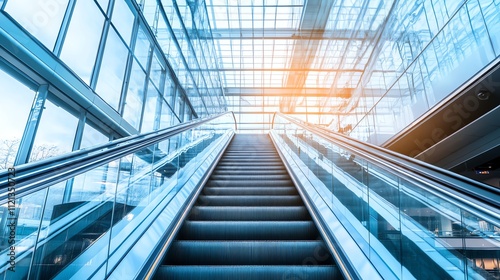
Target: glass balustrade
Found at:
418, 228
90, 220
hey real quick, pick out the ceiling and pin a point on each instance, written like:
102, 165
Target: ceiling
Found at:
302, 57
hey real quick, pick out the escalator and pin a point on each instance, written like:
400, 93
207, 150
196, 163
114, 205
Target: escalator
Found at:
249, 222
196, 201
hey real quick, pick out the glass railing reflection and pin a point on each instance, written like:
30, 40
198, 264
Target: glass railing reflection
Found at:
400, 220
81, 222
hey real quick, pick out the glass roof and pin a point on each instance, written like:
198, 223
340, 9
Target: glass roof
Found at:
282, 51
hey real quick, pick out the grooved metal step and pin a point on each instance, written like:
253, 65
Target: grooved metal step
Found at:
249, 213
254, 177
248, 272
248, 230
249, 191
247, 252
261, 161
249, 200
250, 167
249, 153
243, 171
249, 163
246, 183
252, 155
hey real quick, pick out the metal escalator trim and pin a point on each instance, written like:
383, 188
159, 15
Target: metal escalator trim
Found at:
149, 270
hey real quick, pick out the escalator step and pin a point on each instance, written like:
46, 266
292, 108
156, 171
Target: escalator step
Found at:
246, 151
273, 161
249, 163
248, 252
264, 272
248, 230
249, 200
254, 177
263, 159
246, 183
250, 153
236, 213
257, 162
243, 171
249, 191
251, 167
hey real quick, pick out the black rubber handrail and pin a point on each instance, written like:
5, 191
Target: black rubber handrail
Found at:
31, 177
467, 190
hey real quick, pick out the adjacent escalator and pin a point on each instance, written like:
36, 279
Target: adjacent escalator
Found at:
249, 222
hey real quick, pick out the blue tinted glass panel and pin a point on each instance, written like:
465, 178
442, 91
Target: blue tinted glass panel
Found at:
123, 19
142, 47
41, 18
14, 111
55, 134
150, 109
92, 137
82, 40
167, 117
157, 70
135, 96
491, 10
109, 83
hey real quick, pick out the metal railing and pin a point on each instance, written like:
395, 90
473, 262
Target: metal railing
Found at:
33, 176
391, 207
457, 184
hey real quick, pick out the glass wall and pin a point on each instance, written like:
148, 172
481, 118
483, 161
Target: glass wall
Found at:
109, 83
184, 34
111, 50
42, 19
427, 51
55, 134
35, 124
